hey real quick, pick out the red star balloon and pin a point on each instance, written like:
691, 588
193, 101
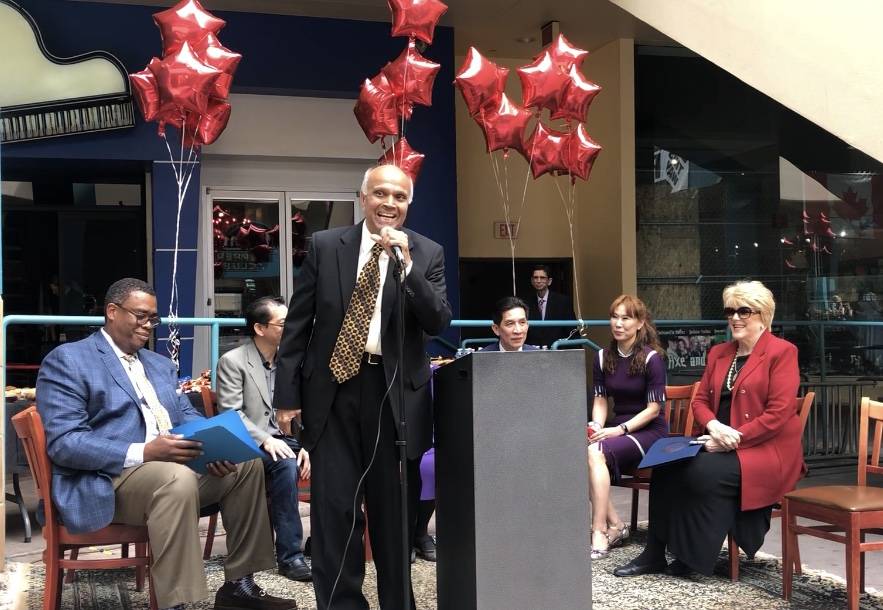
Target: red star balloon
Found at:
546, 151
146, 93
481, 81
578, 94
564, 54
504, 126
185, 81
376, 109
416, 17
542, 84
580, 153
404, 157
411, 76
212, 52
212, 122
187, 21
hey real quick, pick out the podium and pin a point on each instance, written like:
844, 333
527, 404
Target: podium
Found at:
512, 514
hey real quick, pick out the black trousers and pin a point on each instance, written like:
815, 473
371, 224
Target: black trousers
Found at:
694, 503
339, 458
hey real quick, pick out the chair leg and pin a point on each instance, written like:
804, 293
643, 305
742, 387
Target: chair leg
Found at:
71, 575
635, 499
853, 564
52, 593
210, 536
734, 557
861, 555
787, 546
140, 571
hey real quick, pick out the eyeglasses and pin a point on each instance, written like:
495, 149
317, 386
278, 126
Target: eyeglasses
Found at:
279, 324
152, 321
744, 312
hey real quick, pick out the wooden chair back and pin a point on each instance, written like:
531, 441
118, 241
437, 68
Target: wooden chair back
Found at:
870, 410
678, 410
209, 402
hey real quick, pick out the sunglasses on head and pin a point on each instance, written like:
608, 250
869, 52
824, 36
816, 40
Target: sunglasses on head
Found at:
744, 312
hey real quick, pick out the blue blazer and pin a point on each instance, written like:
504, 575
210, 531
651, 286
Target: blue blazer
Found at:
495, 347
91, 415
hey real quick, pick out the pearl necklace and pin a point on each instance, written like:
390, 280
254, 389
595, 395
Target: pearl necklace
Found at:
619, 351
733, 372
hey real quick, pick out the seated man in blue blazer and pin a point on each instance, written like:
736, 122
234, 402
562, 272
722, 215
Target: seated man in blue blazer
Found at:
107, 405
510, 326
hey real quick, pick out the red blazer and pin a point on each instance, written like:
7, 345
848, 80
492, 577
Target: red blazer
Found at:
763, 410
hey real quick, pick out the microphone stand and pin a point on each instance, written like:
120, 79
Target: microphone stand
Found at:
401, 441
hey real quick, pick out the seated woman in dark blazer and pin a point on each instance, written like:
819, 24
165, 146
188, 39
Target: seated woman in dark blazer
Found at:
753, 453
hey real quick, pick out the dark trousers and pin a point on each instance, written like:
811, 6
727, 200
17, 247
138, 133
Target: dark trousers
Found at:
694, 503
281, 480
338, 460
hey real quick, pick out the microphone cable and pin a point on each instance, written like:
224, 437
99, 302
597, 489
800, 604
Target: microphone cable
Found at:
359, 485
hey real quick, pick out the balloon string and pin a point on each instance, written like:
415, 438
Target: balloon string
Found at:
404, 95
504, 200
569, 204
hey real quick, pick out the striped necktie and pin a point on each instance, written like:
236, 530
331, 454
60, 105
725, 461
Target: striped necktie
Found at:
148, 395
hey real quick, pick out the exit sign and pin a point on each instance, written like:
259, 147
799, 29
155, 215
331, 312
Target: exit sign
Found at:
505, 230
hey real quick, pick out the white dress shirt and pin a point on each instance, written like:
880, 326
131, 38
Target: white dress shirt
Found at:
135, 453
372, 344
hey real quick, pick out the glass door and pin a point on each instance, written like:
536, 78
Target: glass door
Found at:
247, 262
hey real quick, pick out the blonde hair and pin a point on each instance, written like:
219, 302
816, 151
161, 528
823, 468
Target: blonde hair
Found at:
754, 295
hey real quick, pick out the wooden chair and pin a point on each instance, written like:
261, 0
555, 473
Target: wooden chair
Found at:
804, 405
854, 510
29, 428
679, 416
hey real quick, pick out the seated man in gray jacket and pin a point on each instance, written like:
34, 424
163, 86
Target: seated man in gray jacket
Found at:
246, 379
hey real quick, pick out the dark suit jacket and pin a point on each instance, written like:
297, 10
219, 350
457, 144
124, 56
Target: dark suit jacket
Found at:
321, 296
495, 347
558, 307
91, 413
763, 409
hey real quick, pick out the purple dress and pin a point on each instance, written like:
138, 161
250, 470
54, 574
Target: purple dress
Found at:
630, 396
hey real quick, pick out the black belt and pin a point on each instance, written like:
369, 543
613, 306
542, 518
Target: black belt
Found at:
372, 358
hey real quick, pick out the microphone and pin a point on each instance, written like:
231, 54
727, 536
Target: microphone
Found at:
397, 250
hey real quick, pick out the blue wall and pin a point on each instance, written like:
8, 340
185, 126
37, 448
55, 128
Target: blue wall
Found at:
282, 55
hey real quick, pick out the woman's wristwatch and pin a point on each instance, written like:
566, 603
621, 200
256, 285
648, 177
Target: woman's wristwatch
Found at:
625, 429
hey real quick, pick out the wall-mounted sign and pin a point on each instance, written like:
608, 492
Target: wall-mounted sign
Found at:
43, 96
505, 230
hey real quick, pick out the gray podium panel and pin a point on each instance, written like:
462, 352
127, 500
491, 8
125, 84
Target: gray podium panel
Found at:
512, 482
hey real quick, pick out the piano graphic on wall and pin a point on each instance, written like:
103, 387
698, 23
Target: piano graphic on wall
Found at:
43, 96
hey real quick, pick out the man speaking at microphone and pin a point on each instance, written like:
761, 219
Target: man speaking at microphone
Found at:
338, 362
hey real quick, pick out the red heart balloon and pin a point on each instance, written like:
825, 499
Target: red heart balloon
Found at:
542, 83
578, 94
376, 109
212, 52
404, 157
504, 126
187, 21
581, 153
416, 17
184, 80
411, 76
481, 81
546, 150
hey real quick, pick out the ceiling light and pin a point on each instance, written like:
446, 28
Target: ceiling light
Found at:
843, 233
526, 39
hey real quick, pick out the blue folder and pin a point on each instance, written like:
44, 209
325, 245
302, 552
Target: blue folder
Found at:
670, 449
223, 437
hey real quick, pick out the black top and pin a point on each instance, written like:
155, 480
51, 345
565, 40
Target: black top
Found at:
723, 410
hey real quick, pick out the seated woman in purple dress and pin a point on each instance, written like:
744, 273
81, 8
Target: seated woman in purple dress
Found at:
631, 371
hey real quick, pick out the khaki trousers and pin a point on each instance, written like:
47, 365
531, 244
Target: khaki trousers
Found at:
166, 498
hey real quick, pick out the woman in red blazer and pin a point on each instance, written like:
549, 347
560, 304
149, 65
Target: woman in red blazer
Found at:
752, 454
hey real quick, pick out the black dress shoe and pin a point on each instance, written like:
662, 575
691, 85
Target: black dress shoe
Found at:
231, 597
413, 555
425, 547
297, 570
677, 568
636, 568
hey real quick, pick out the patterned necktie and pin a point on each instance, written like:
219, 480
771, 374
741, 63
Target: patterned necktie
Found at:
542, 306
347, 355
148, 395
